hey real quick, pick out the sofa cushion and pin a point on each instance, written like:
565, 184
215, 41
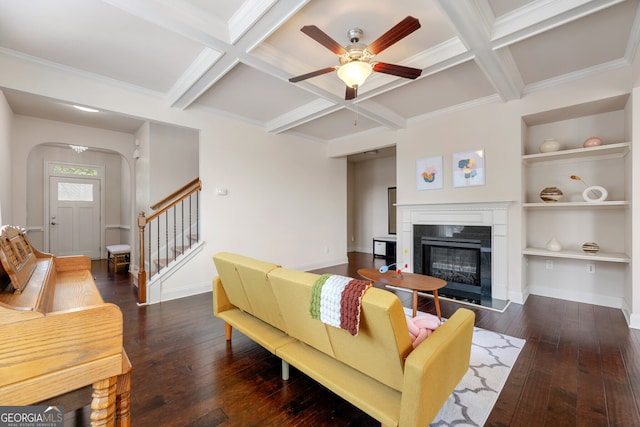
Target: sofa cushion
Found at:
383, 340
246, 282
293, 293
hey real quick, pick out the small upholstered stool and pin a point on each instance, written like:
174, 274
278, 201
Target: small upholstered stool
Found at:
118, 255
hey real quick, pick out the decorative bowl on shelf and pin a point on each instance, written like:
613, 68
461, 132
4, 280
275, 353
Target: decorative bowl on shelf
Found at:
549, 145
592, 141
591, 248
595, 193
551, 194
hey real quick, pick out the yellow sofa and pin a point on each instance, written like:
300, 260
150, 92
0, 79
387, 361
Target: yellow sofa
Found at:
377, 370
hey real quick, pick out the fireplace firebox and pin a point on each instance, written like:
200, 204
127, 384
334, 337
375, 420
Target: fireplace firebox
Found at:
461, 255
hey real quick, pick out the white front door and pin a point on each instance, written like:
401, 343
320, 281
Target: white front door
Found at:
74, 216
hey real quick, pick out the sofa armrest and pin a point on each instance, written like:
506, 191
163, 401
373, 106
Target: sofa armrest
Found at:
434, 369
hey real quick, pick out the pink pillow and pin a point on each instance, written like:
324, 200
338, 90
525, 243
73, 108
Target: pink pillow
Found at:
421, 327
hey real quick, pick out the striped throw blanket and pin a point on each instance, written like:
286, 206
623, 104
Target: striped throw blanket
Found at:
336, 301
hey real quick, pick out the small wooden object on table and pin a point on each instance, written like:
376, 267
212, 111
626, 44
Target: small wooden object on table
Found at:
411, 281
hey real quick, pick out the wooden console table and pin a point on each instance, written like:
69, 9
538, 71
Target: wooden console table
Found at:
411, 281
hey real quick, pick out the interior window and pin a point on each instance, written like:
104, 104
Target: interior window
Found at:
75, 170
75, 192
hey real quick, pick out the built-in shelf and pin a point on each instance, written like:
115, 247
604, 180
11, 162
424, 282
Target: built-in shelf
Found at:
600, 256
606, 203
573, 220
620, 149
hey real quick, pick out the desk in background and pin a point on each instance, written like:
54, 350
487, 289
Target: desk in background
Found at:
385, 247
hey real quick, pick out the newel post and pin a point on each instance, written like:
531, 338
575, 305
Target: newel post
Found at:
142, 274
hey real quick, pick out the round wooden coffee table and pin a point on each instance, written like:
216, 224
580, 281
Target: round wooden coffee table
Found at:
411, 281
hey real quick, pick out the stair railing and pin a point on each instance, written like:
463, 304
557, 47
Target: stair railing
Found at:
168, 232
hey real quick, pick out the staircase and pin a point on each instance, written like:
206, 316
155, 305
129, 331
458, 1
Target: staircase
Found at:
176, 251
168, 235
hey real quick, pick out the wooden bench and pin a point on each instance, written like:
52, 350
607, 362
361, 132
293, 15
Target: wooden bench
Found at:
118, 255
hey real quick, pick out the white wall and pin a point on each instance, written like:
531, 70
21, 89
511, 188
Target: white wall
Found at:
36, 174
6, 118
287, 197
173, 159
127, 224
372, 178
143, 170
634, 293
28, 135
497, 128
351, 208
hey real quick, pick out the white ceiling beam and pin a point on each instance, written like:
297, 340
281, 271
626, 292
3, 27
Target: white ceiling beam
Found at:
471, 22
301, 115
376, 112
634, 39
267, 23
254, 22
246, 16
195, 71
179, 18
540, 16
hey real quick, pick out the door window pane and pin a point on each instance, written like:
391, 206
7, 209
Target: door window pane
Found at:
75, 192
75, 170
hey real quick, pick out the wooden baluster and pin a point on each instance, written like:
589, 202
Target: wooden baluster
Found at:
142, 274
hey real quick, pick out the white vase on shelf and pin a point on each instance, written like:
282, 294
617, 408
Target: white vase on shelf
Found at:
549, 145
553, 245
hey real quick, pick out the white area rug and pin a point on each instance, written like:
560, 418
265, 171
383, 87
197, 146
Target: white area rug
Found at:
492, 357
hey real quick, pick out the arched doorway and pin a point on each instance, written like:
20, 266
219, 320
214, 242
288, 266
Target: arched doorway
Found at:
77, 203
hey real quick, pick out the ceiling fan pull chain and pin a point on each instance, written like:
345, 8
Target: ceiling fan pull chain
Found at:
355, 122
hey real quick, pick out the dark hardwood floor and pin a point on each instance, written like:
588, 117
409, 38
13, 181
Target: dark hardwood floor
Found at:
579, 367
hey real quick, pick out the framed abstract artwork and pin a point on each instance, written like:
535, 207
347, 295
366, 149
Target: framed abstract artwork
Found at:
468, 168
429, 173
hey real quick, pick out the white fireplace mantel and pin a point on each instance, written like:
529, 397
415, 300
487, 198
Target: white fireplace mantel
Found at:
492, 214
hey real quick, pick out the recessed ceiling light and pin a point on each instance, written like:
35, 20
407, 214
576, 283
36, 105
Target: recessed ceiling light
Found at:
87, 109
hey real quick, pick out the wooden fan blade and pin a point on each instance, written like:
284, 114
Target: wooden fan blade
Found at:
312, 74
321, 37
401, 30
351, 93
397, 70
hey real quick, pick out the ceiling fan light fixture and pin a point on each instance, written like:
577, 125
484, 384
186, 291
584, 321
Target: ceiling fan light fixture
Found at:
354, 73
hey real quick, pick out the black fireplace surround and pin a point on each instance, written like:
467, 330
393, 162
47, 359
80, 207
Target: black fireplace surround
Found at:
459, 254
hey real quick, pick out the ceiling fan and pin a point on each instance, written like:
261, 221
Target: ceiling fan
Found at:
356, 58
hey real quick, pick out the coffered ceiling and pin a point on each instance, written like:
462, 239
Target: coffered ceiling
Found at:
234, 57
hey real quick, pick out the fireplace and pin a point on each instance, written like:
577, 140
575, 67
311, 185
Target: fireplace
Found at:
476, 230
461, 255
